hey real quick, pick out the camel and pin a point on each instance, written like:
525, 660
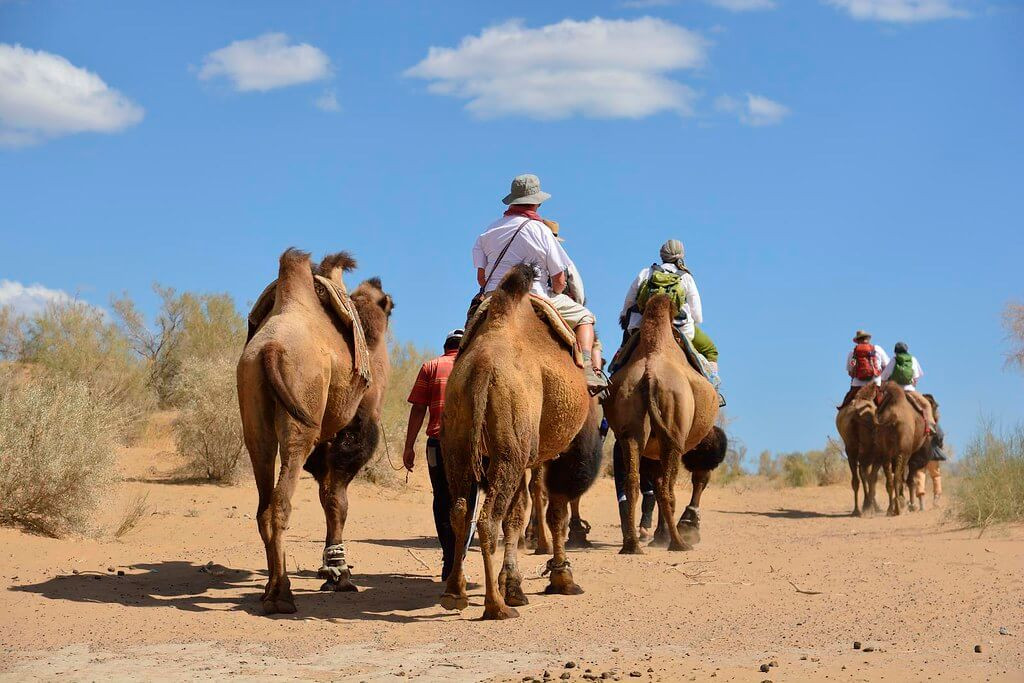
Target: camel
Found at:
659, 407
700, 462
900, 430
856, 425
516, 395
299, 393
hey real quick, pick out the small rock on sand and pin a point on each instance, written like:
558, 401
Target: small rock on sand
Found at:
856, 645
570, 665
979, 648
764, 668
566, 676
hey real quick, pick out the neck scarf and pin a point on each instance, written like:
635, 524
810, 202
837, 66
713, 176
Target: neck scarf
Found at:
516, 210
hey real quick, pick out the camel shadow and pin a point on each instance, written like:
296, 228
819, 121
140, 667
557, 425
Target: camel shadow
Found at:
787, 513
419, 542
200, 588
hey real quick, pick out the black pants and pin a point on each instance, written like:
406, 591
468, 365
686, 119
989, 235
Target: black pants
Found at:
443, 506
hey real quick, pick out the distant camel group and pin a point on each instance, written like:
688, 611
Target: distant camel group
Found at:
311, 380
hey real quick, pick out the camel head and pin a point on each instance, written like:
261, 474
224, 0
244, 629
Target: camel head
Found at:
333, 266
374, 307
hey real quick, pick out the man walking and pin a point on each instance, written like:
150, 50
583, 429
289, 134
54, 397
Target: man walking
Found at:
427, 396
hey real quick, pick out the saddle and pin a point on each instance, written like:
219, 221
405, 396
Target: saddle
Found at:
335, 299
545, 311
696, 361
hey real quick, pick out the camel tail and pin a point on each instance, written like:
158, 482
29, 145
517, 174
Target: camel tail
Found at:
658, 424
272, 356
480, 390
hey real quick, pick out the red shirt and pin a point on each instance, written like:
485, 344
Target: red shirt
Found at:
429, 389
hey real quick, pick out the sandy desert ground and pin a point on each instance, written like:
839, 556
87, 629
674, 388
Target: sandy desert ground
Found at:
783, 577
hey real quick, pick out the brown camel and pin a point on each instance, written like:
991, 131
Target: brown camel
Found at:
856, 424
900, 433
516, 395
659, 407
299, 394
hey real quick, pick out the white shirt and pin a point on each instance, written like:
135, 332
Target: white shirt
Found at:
692, 307
534, 244
917, 374
883, 362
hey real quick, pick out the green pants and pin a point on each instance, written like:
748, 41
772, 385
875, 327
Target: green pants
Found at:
703, 344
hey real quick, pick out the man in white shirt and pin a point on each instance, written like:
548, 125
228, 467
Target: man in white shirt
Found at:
906, 371
864, 364
520, 236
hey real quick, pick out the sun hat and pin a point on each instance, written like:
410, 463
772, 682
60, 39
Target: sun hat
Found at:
458, 333
554, 228
525, 190
862, 334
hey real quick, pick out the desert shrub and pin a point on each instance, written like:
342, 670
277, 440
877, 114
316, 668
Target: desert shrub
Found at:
829, 465
1013, 323
990, 486
208, 429
810, 468
76, 342
11, 333
796, 469
767, 466
57, 446
731, 468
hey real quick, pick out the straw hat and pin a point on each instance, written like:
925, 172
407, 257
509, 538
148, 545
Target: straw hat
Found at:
862, 335
554, 228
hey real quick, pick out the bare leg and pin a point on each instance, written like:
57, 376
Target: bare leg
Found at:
510, 580
689, 522
631, 462
561, 575
585, 338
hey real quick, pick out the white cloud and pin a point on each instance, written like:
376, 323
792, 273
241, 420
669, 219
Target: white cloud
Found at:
901, 11
43, 95
30, 299
598, 68
755, 110
328, 101
265, 63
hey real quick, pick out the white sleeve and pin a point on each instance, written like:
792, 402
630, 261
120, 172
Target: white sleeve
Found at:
883, 357
479, 258
556, 260
631, 293
887, 370
849, 362
918, 372
693, 298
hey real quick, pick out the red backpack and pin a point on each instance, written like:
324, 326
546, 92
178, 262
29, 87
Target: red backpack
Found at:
864, 365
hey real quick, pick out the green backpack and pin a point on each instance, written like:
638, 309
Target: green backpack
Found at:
662, 281
903, 371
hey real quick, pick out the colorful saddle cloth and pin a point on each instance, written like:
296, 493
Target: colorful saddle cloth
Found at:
335, 299
545, 311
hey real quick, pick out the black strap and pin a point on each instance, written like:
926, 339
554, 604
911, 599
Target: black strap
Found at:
502, 254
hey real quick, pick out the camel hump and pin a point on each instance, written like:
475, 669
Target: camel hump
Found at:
333, 265
519, 281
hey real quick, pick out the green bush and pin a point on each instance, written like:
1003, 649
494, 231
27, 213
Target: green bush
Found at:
57, 445
990, 485
208, 429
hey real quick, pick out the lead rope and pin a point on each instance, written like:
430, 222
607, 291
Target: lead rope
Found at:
387, 451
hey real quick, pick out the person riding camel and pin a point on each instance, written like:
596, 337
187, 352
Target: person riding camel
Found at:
903, 369
520, 236
671, 277
864, 364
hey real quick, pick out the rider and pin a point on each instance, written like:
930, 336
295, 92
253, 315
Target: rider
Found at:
903, 369
673, 276
863, 364
520, 236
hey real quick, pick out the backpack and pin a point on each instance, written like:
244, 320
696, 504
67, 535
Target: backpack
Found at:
662, 281
864, 365
903, 369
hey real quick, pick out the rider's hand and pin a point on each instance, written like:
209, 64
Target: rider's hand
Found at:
623, 322
409, 458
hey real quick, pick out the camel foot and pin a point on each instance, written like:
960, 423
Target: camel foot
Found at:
450, 601
690, 532
856, 512
340, 586
542, 549
659, 541
631, 548
514, 594
679, 546
279, 606
577, 540
496, 613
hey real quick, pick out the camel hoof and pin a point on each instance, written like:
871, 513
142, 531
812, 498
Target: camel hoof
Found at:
631, 548
542, 550
499, 613
855, 513
515, 596
689, 532
453, 602
570, 588
578, 540
679, 547
339, 587
279, 606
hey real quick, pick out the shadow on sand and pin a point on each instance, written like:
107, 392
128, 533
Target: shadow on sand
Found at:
787, 513
198, 588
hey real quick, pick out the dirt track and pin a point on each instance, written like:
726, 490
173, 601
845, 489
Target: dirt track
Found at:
782, 575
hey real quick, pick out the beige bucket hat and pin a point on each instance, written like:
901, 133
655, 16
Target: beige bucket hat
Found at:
526, 190
862, 334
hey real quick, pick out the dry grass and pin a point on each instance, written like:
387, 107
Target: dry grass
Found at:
990, 481
133, 513
208, 430
57, 444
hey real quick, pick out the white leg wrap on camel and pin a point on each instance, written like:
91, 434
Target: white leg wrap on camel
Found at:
335, 566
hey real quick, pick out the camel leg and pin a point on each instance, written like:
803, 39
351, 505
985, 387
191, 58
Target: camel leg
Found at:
454, 596
631, 462
660, 537
864, 472
263, 454
900, 475
504, 479
854, 484
890, 488
560, 581
689, 523
542, 546
334, 499
295, 447
578, 527
665, 490
510, 580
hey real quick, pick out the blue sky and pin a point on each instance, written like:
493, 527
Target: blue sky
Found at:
829, 165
